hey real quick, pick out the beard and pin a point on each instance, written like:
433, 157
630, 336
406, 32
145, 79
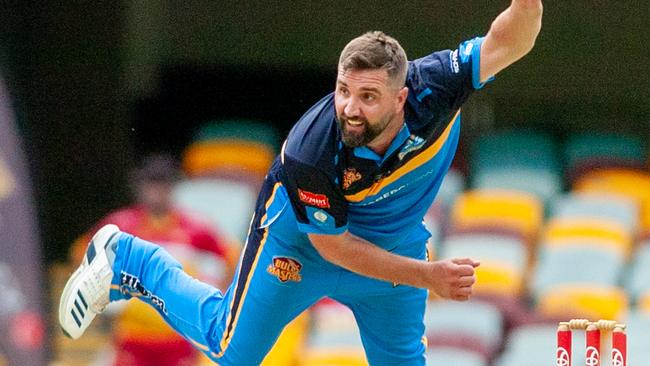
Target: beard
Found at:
368, 131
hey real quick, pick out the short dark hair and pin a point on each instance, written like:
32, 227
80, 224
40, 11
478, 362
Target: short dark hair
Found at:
376, 50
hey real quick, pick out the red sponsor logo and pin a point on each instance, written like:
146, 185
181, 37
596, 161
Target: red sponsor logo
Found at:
314, 199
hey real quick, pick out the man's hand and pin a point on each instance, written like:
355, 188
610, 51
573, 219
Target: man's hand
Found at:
452, 278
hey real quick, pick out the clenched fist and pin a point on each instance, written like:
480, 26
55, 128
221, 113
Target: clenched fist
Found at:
452, 278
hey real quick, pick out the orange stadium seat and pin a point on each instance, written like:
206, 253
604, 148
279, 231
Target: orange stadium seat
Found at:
583, 301
207, 158
240, 149
588, 231
508, 210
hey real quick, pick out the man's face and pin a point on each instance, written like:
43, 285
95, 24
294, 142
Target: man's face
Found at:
155, 196
365, 104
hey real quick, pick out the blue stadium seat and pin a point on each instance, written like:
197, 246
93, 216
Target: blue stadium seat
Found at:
437, 356
637, 279
475, 326
597, 205
535, 345
576, 264
487, 247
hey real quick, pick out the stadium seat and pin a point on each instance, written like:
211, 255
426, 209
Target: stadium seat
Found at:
204, 159
637, 279
633, 184
247, 130
503, 261
525, 148
597, 206
543, 184
529, 164
638, 334
453, 356
497, 209
583, 301
588, 231
535, 345
487, 247
588, 151
575, 265
334, 338
227, 204
239, 148
474, 326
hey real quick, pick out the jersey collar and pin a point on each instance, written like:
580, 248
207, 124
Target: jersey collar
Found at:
366, 153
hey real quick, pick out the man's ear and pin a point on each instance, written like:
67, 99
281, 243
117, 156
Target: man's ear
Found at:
402, 94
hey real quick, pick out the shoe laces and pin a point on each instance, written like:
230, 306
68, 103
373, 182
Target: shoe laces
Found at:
97, 284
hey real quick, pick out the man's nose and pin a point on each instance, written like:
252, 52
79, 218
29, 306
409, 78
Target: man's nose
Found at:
352, 108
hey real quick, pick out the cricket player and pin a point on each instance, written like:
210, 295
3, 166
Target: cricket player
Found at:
339, 215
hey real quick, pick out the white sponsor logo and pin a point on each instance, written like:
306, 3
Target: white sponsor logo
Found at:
414, 143
455, 68
592, 357
468, 49
562, 357
393, 191
320, 216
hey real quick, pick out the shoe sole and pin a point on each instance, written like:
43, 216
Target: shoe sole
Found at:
73, 302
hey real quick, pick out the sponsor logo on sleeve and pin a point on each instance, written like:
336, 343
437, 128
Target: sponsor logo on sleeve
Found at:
466, 51
285, 269
131, 285
453, 58
314, 199
349, 177
320, 216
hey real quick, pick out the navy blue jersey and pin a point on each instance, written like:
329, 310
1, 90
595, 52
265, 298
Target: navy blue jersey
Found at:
333, 188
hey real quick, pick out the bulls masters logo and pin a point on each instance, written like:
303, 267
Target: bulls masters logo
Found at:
285, 269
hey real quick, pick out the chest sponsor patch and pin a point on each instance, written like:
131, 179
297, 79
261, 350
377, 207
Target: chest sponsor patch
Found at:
350, 176
414, 143
285, 269
314, 199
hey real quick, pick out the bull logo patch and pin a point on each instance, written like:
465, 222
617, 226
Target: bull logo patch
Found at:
285, 269
350, 175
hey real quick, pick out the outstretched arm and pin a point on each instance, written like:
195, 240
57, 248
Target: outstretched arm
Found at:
511, 36
451, 279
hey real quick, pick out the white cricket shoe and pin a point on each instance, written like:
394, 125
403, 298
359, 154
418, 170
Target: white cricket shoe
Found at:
87, 292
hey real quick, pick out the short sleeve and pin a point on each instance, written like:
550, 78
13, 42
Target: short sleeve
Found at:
317, 201
444, 79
